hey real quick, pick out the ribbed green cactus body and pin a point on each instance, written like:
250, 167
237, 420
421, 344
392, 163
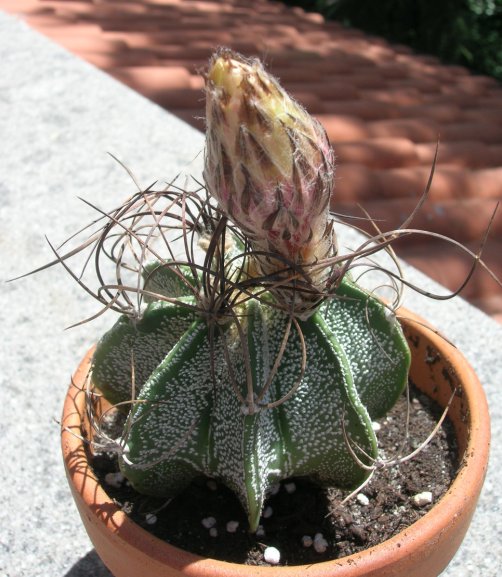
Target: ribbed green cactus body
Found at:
191, 379
143, 343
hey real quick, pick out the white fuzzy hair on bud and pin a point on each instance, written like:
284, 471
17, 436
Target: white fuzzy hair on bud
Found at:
268, 163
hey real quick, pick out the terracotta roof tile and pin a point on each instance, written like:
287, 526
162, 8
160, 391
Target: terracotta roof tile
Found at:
383, 106
356, 183
468, 154
361, 108
415, 129
152, 78
378, 153
442, 113
485, 131
451, 267
450, 182
342, 128
398, 96
447, 217
328, 89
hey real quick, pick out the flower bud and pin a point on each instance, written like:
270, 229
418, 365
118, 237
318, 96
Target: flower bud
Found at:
268, 163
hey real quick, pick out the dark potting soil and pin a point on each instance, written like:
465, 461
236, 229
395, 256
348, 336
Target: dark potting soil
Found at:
299, 508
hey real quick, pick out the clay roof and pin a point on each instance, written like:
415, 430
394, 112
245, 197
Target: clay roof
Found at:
383, 106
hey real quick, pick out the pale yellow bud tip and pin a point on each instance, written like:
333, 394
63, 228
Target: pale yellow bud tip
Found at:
225, 73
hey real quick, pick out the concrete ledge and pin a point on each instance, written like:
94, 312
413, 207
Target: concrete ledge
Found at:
58, 118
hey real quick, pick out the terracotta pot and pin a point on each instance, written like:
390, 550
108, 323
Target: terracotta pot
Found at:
422, 550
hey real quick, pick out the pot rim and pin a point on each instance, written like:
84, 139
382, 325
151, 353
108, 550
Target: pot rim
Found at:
85, 484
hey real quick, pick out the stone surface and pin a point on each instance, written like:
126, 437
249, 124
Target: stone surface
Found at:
58, 118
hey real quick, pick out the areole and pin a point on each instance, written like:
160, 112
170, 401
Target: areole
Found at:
422, 550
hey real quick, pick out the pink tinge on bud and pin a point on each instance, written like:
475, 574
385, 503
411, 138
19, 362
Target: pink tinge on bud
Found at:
268, 163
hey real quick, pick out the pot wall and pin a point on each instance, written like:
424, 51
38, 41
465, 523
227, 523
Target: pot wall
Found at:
422, 550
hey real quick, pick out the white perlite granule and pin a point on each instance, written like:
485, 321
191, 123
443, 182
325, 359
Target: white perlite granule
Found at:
114, 480
268, 512
320, 543
422, 499
232, 526
376, 426
272, 555
307, 541
151, 519
362, 499
211, 485
208, 522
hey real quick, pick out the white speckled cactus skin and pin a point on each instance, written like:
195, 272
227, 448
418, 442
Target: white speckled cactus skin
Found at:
192, 422
272, 385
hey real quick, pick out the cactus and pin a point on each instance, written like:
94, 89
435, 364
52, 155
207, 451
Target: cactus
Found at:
267, 360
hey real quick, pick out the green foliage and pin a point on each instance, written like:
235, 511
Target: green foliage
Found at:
465, 32
208, 401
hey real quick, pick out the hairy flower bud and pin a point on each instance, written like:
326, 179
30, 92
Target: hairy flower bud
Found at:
268, 163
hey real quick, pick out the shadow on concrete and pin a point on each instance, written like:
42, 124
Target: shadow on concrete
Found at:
89, 566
